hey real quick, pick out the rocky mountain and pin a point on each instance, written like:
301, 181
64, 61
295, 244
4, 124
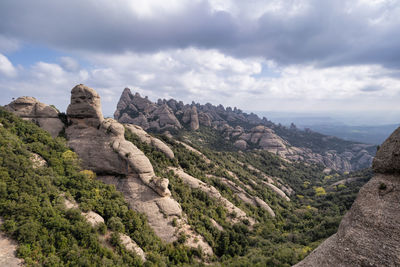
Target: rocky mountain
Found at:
245, 131
101, 145
121, 195
369, 234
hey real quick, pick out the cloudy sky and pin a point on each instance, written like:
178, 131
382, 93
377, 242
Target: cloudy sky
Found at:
314, 56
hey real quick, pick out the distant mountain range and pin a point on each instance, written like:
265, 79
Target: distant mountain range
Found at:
351, 129
365, 134
246, 131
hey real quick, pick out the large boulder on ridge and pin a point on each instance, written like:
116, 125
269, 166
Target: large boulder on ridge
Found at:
29, 108
101, 144
85, 106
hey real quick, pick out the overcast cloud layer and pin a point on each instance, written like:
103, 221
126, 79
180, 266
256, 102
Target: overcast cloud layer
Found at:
258, 55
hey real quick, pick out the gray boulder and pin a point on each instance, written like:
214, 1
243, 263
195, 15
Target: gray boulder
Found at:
29, 108
387, 159
101, 144
85, 106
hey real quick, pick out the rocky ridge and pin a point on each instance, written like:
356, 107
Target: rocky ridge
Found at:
245, 131
212, 192
150, 140
369, 234
101, 145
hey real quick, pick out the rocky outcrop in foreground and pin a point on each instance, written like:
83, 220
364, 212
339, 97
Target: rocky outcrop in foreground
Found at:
245, 131
29, 108
101, 145
102, 148
369, 234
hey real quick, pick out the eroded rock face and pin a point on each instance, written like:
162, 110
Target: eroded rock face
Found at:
85, 105
160, 211
132, 246
240, 144
214, 193
148, 139
101, 144
45, 116
369, 234
387, 159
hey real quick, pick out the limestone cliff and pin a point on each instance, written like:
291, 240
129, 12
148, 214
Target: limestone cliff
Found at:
369, 234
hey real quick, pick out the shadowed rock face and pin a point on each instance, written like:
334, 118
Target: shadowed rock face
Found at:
29, 108
369, 234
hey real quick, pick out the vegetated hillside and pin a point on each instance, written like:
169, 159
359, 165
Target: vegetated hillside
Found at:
245, 131
37, 174
369, 234
313, 213
33, 192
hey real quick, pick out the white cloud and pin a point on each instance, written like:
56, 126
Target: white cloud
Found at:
6, 67
151, 8
69, 64
211, 76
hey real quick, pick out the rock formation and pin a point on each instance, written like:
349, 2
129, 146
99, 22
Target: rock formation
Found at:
246, 131
246, 197
369, 234
85, 106
45, 116
132, 246
101, 144
134, 109
150, 140
191, 117
212, 192
95, 219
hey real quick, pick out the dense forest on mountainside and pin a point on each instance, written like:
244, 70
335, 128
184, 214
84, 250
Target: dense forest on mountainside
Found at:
299, 226
48, 234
